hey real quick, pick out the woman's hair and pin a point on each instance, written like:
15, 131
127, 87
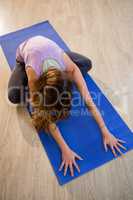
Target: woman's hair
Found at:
52, 99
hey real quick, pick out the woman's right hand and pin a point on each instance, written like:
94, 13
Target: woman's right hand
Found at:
68, 160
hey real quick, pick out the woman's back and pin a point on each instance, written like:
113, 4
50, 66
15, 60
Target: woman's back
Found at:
39, 52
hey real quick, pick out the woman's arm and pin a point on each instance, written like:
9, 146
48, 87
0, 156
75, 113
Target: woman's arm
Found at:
108, 139
81, 84
74, 73
52, 127
55, 132
68, 156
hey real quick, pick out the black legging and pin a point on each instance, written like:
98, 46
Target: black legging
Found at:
18, 82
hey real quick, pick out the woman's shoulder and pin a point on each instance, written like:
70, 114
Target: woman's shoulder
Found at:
68, 62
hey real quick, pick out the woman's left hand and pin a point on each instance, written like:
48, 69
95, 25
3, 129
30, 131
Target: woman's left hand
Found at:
113, 142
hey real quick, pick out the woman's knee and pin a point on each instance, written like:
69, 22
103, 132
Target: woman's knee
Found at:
83, 62
89, 64
14, 95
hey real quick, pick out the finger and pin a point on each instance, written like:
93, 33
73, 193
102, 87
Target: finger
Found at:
61, 166
117, 148
65, 170
113, 151
71, 169
77, 156
121, 146
122, 141
76, 166
105, 147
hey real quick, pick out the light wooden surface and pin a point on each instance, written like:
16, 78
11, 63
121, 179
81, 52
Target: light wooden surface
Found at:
102, 30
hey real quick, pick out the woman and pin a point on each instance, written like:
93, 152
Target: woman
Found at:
48, 72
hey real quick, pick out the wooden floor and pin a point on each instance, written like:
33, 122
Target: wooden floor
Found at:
102, 30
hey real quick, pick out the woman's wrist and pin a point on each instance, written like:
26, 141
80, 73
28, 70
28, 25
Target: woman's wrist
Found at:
104, 129
64, 148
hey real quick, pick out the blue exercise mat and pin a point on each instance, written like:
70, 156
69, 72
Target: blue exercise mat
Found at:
80, 130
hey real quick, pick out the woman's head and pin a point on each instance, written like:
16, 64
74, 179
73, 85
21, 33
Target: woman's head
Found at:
52, 101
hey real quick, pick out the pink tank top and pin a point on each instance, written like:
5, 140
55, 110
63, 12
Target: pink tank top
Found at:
36, 50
